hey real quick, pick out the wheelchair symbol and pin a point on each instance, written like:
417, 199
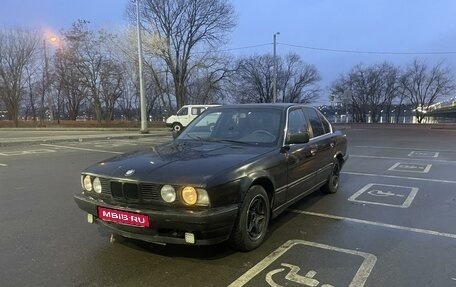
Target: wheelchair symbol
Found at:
293, 276
380, 193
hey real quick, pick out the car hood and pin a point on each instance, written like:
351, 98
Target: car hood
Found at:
191, 162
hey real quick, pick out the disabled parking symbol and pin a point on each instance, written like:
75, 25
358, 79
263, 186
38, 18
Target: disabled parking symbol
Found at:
376, 192
411, 167
427, 154
386, 195
293, 276
322, 266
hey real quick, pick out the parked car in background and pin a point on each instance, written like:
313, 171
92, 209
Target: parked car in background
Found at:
185, 115
223, 178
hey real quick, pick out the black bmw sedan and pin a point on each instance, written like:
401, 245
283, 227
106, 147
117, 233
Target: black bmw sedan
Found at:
223, 178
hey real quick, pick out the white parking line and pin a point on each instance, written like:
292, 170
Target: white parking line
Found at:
84, 149
3, 164
400, 177
26, 152
403, 158
402, 148
373, 223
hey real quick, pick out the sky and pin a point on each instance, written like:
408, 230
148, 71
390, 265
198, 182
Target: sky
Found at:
333, 35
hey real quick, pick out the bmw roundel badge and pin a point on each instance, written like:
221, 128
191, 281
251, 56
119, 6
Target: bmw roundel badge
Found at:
130, 172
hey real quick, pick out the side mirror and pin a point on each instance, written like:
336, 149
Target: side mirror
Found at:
298, 138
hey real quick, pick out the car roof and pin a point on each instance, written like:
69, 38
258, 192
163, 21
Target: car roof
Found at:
281, 106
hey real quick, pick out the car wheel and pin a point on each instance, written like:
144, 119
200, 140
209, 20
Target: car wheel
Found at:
252, 222
177, 127
332, 184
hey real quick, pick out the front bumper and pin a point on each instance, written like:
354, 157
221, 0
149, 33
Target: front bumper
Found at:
209, 226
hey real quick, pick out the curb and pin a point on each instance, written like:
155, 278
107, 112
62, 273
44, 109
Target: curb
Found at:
50, 140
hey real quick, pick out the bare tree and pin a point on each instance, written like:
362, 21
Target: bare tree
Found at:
253, 80
297, 80
425, 85
371, 89
111, 88
185, 28
206, 84
17, 50
69, 81
92, 67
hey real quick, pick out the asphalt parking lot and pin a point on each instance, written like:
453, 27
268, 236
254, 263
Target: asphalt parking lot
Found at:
392, 222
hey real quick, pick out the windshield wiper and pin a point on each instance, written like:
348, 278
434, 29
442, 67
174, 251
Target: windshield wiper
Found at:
195, 137
226, 140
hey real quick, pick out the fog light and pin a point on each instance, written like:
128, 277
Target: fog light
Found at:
189, 237
89, 218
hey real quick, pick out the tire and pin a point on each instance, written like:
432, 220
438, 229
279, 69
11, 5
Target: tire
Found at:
332, 184
177, 127
252, 222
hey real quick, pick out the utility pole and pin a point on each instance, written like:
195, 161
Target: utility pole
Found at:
141, 83
274, 81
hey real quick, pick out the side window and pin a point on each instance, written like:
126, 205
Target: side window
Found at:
198, 110
182, 112
325, 123
315, 122
296, 121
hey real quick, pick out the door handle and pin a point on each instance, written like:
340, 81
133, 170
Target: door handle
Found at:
313, 151
332, 144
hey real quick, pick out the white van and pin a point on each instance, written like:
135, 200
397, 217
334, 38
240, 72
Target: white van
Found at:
185, 115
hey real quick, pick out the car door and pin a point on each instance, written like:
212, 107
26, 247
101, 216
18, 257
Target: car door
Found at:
322, 143
300, 166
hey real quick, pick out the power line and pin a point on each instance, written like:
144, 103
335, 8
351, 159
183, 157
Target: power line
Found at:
368, 52
347, 51
246, 47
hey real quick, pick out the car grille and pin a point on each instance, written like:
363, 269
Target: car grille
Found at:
135, 192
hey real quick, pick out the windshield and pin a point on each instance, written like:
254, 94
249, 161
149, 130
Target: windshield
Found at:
243, 125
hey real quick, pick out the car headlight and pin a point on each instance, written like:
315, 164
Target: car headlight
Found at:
195, 196
87, 183
168, 193
189, 195
96, 185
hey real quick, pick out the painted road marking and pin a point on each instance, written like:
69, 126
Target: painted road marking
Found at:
411, 167
362, 273
405, 159
3, 164
385, 194
379, 224
27, 152
84, 149
113, 144
401, 148
424, 154
400, 177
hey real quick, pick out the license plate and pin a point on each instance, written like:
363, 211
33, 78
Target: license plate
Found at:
123, 217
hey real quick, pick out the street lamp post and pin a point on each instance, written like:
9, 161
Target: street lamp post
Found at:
141, 83
46, 82
274, 56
